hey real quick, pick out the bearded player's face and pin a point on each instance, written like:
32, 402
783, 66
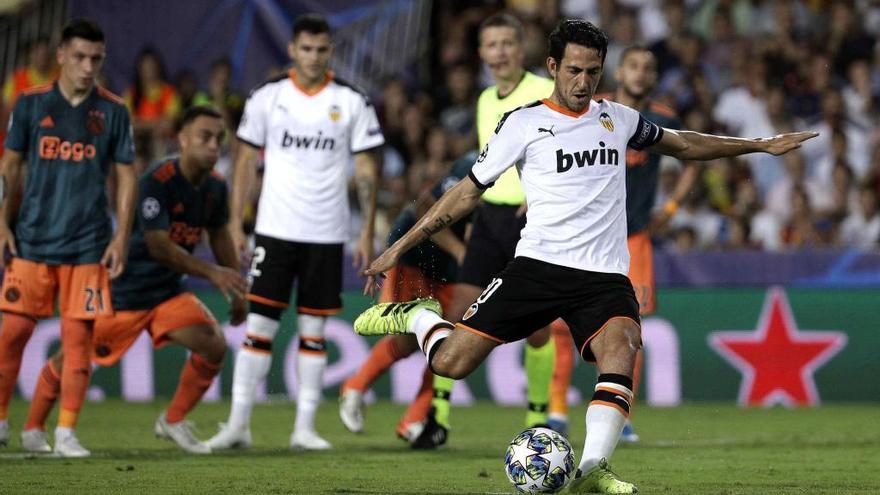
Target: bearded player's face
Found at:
637, 73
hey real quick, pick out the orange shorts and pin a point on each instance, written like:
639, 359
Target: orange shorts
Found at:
641, 271
30, 287
405, 282
113, 335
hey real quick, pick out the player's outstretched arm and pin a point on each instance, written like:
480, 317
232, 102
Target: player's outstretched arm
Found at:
366, 179
445, 239
162, 249
116, 253
226, 255
10, 182
244, 176
452, 206
689, 145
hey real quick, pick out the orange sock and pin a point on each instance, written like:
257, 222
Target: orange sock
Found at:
196, 377
15, 332
418, 409
563, 368
76, 343
385, 353
45, 396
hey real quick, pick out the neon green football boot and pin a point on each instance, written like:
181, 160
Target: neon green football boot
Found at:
600, 479
393, 318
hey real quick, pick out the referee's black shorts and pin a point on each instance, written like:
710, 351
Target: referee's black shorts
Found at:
529, 294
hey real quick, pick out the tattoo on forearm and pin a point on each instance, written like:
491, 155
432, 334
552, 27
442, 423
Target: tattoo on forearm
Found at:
365, 194
2, 189
439, 224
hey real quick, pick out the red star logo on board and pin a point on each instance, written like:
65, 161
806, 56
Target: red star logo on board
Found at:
777, 360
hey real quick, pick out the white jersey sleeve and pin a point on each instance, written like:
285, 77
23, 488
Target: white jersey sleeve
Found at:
252, 128
365, 130
505, 148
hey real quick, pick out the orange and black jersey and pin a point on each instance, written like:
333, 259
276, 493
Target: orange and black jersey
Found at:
63, 216
167, 201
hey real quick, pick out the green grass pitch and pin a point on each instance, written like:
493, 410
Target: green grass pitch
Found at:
697, 448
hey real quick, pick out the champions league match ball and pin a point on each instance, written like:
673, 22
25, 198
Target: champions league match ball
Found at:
539, 460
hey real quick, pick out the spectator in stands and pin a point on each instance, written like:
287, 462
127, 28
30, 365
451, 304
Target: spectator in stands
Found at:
861, 229
187, 88
152, 100
848, 40
844, 196
859, 96
836, 128
458, 117
696, 216
779, 198
666, 49
800, 230
220, 94
39, 69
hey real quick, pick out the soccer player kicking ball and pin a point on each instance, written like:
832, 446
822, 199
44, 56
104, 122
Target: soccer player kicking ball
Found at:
572, 259
636, 77
70, 132
179, 199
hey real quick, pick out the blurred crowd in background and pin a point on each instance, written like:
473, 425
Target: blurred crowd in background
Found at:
741, 67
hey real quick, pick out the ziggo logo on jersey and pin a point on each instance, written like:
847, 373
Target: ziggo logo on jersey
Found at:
53, 148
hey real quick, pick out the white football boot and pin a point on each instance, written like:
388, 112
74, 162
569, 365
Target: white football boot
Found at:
67, 445
351, 410
230, 438
181, 434
308, 440
35, 440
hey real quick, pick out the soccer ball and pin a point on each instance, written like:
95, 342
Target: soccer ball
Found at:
539, 460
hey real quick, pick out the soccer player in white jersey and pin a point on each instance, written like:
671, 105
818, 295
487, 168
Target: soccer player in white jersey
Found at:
309, 125
572, 259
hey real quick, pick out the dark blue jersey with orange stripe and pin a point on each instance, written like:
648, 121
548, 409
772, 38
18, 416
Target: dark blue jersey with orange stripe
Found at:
64, 216
167, 201
427, 256
643, 171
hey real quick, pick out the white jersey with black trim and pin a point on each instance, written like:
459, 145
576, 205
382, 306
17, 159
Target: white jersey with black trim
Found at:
573, 172
308, 138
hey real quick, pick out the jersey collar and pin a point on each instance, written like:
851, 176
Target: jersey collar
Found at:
565, 111
313, 91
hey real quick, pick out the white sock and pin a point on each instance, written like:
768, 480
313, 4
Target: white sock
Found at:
605, 418
310, 364
62, 432
430, 328
251, 367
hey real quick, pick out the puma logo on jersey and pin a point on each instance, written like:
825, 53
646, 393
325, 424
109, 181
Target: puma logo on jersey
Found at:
550, 130
319, 142
601, 156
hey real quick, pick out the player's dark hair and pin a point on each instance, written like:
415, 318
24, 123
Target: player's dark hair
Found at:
80, 27
634, 49
196, 111
310, 23
503, 19
579, 32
